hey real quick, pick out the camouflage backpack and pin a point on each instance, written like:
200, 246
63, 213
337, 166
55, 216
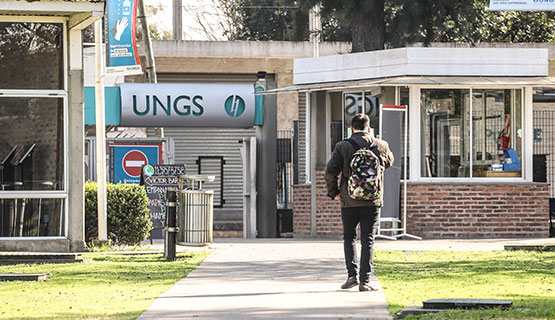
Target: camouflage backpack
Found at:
366, 177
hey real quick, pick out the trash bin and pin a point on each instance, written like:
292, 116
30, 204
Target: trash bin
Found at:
194, 211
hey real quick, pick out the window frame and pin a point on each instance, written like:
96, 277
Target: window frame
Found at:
51, 94
415, 126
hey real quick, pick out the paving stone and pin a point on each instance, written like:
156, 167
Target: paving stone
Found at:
466, 303
415, 310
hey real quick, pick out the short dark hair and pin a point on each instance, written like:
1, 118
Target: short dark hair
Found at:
360, 121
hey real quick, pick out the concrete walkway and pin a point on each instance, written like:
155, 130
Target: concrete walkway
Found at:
287, 279
269, 279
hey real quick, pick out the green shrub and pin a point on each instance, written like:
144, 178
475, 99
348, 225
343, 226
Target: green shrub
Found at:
128, 215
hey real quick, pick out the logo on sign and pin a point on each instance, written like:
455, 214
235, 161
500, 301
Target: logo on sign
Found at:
133, 161
148, 170
234, 106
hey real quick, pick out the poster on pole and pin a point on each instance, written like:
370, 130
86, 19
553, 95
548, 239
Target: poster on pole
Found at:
122, 56
522, 5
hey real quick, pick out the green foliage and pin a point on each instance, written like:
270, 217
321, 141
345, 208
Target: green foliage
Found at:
375, 24
111, 287
267, 20
525, 277
128, 214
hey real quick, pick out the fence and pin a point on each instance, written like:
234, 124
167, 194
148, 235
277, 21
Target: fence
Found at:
544, 148
284, 171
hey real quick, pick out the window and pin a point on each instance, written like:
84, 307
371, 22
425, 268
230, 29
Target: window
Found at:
496, 133
445, 132
31, 55
31, 143
486, 145
353, 106
33, 106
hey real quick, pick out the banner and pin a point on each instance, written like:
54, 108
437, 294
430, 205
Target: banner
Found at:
522, 5
187, 105
122, 46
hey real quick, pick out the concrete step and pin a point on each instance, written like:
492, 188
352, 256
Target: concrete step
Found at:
229, 225
228, 234
39, 257
225, 215
40, 277
466, 303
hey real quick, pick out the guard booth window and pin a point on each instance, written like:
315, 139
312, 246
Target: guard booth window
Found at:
445, 126
353, 105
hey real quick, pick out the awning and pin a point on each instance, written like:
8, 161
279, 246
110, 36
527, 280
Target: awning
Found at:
419, 81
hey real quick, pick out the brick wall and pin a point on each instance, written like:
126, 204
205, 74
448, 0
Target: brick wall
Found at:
301, 209
328, 212
444, 210
478, 211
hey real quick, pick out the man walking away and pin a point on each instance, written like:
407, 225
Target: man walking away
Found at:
361, 194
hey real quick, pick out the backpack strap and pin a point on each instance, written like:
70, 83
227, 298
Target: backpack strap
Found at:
353, 143
357, 146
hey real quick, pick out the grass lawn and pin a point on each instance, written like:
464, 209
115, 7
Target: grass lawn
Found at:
112, 287
527, 278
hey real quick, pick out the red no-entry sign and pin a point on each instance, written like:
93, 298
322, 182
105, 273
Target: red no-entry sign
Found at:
133, 161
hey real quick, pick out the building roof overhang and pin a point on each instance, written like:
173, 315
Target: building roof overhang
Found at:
419, 81
80, 13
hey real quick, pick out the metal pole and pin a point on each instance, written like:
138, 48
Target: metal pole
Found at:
177, 19
100, 134
150, 63
150, 66
171, 221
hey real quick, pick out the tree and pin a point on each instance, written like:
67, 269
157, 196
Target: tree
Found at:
266, 20
377, 24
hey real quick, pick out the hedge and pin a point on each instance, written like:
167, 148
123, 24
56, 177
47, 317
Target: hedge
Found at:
128, 214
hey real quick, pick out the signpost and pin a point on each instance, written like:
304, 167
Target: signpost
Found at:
157, 179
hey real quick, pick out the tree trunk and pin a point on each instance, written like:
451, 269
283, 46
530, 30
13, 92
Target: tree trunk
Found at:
368, 29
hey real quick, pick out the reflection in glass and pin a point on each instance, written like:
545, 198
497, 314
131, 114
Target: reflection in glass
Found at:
31, 217
31, 55
31, 144
496, 133
445, 133
353, 106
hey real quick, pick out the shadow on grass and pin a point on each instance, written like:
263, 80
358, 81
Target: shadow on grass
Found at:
69, 315
457, 268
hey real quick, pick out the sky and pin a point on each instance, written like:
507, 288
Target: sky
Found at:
191, 28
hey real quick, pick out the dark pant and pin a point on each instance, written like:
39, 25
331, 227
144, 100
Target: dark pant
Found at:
368, 218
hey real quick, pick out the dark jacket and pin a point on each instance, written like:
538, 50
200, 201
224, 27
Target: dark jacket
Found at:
340, 162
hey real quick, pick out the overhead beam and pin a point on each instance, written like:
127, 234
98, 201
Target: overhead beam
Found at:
80, 21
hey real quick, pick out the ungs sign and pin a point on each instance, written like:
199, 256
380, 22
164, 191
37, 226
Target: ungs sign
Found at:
187, 105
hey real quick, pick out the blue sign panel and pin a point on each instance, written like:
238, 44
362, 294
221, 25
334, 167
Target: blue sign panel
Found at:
127, 160
122, 46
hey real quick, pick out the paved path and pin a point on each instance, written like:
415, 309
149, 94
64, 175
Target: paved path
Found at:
269, 279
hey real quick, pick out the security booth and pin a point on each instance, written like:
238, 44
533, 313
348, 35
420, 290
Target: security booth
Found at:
469, 137
41, 123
